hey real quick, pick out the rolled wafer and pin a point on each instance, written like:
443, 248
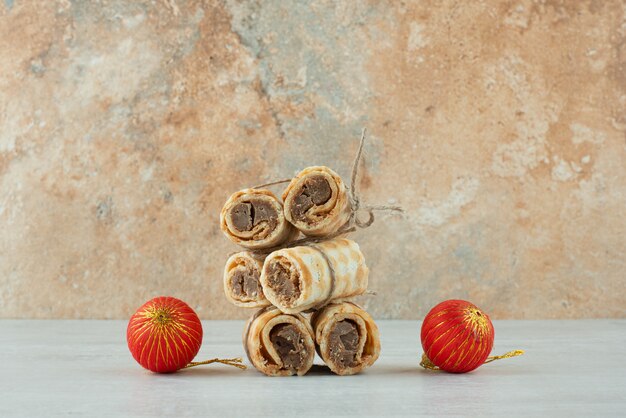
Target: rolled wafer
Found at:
278, 344
346, 337
300, 278
253, 218
241, 280
316, 201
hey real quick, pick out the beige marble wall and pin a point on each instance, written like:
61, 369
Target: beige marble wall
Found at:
499, 126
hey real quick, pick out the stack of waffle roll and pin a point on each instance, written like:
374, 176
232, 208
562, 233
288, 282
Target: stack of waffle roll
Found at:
301, 292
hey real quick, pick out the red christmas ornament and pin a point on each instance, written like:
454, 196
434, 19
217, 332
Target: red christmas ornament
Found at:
164, 335
456, 337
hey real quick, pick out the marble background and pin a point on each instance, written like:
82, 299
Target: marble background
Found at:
500, 126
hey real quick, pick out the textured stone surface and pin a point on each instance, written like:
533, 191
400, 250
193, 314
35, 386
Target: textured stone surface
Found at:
499, 126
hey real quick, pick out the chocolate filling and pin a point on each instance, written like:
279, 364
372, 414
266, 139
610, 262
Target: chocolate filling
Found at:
245, 284
282, 283
289, 343
247, 215
344, 343
315, 191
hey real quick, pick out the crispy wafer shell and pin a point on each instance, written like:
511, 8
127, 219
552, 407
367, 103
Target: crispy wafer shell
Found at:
320, 220
260, 350
326, 318
264, 235
248, 263
312, 268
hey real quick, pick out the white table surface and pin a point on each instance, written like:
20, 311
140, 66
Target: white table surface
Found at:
84, 368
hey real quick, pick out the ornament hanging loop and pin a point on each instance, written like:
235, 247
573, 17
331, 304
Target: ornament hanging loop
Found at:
510, 354
427, 364
235, 362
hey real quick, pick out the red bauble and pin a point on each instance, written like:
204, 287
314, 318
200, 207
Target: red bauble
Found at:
456, 337
164, 335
